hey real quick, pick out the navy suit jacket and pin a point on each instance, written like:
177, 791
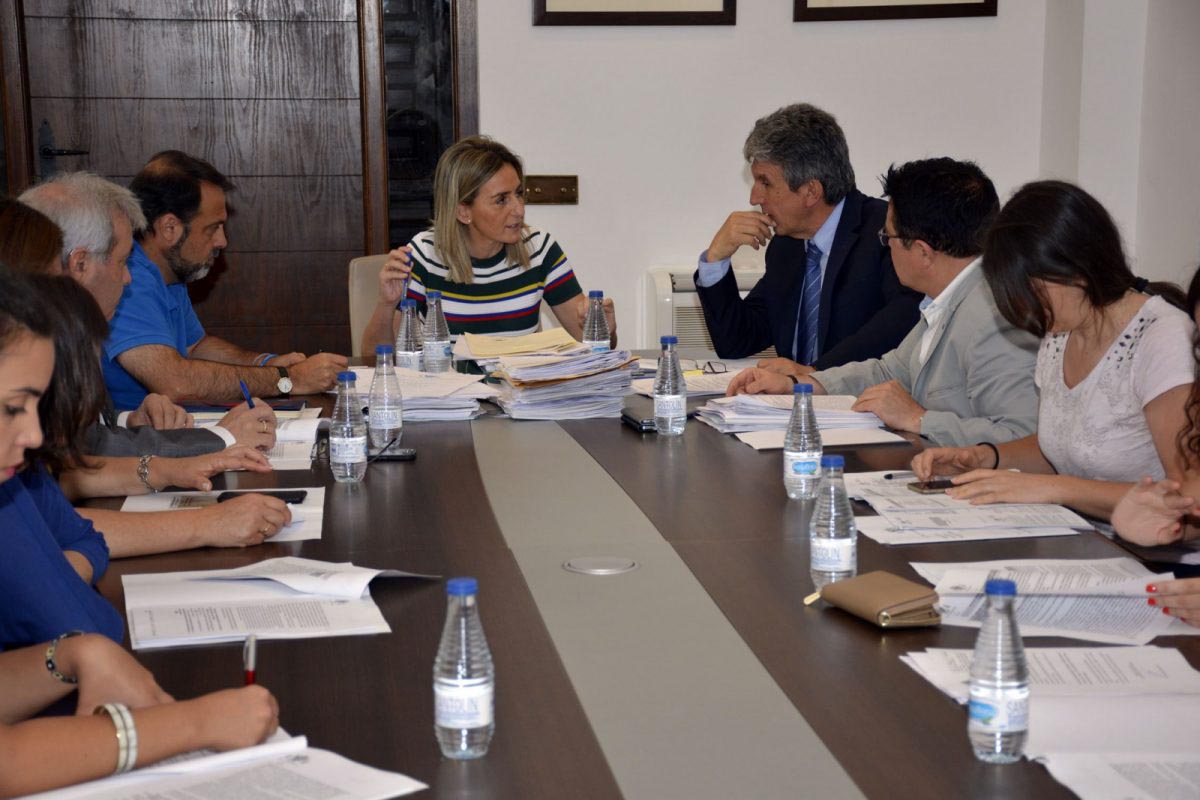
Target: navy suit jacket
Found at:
865, 311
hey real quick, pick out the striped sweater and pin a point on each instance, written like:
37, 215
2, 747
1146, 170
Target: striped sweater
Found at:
503, 299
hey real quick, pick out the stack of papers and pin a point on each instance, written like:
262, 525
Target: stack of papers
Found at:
762, 412
486, 351
252, 773
308, 517
1098, 600
583, 386
280, 598
1109, 722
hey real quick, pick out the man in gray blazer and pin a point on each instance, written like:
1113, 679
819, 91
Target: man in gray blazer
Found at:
963, 375
98, 219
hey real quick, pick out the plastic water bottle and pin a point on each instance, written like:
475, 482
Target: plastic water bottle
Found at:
386, 420
832, 536
998, 720
670, 391
802, 447
347, 433
437, 335
596, 334
410, 339
464, 680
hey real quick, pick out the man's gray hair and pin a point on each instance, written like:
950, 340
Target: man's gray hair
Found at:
82, 204
807, 144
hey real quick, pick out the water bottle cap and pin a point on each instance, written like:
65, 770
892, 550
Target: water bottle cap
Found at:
346, 376
408, 303
669, 340
802, 388
832, 462
595, 293
383, 349
433, 294
1000, 586
459, 587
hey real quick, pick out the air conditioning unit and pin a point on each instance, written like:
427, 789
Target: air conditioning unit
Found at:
673, 306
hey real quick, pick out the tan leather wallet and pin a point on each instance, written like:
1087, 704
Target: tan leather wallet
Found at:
884, 599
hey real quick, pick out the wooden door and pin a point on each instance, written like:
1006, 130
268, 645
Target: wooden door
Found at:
271, 92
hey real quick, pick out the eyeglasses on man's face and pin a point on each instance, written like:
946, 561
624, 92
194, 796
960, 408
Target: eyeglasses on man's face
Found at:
885, 237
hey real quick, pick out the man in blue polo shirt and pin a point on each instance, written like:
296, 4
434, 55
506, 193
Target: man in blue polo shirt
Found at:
156, 342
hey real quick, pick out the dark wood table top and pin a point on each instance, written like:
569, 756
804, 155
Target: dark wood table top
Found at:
720, 504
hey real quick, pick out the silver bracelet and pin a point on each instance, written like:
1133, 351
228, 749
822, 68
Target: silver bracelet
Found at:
52, 665
143, 471
126, 735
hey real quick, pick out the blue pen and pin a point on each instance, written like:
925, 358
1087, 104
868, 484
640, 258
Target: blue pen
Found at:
246, 393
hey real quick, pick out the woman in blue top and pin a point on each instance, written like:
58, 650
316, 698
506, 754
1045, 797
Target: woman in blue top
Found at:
52, 556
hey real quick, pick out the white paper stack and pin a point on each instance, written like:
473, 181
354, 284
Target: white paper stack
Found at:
429, 397
583, 386
486, 350
1111, 723
762, 412
280, 598
1098, 600
698, 385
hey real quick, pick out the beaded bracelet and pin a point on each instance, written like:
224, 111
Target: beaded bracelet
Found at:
143, 471
52, 666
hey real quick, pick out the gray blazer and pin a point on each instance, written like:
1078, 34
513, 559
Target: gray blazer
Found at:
977, 384
107, 438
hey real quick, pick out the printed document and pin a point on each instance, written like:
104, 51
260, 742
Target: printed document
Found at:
299, 773
1127, 776
1004, 515
308, 517
1097, 618
1147, 723
880, 530
697, 384
1071, 671
836, 437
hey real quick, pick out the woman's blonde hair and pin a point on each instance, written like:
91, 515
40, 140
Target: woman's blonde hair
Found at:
461, 172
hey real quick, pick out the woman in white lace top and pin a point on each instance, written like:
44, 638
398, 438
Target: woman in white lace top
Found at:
1114, 370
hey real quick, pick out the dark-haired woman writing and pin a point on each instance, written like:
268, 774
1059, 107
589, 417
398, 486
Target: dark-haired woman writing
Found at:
1113, 372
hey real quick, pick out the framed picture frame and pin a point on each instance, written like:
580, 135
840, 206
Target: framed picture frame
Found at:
824, 10
620, 12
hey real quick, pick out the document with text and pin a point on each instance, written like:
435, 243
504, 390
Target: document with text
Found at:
1127, 776
308, 516
998, 516
880, 530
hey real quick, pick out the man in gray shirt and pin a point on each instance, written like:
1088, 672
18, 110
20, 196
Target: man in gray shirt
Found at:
98, 219
963, 374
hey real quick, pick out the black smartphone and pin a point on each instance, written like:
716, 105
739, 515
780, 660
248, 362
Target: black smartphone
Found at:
292, 496
395, 454
931, 487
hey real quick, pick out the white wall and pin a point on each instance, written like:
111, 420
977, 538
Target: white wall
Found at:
652, 119
1168, 220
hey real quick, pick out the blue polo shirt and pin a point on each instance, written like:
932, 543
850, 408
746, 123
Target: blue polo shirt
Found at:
150, 312
41, 594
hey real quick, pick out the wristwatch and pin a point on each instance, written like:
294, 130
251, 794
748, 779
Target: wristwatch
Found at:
285, 383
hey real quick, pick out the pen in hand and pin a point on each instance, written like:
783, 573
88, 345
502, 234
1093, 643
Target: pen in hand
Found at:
249, 658
246, 393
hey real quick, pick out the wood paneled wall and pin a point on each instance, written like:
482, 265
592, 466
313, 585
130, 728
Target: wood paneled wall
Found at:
266, 90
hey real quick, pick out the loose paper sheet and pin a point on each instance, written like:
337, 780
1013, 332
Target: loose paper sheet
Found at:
308, 517
880, 530
838, 437
1127, 776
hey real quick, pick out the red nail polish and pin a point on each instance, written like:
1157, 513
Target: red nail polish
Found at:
1166, 610
1151, 588
1152, 601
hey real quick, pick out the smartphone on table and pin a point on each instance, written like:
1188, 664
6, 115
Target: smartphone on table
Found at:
931, 487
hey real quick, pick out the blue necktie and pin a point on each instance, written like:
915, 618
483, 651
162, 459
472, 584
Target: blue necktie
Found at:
810, 309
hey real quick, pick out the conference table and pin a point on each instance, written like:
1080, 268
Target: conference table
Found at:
699, 673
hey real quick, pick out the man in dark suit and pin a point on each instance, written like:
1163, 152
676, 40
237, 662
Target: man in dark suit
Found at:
830, 294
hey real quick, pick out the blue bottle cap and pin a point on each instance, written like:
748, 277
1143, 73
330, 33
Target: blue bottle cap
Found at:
383, 349
1000, 586
433, 294
347, 376
669, 340
407, 302
595, 293
802, 388
833, 462
459, 587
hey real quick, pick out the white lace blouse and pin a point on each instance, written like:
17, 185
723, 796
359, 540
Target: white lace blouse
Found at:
1097, 429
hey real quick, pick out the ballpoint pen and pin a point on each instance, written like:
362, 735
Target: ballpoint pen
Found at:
891, 476
246, 393
249, 658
